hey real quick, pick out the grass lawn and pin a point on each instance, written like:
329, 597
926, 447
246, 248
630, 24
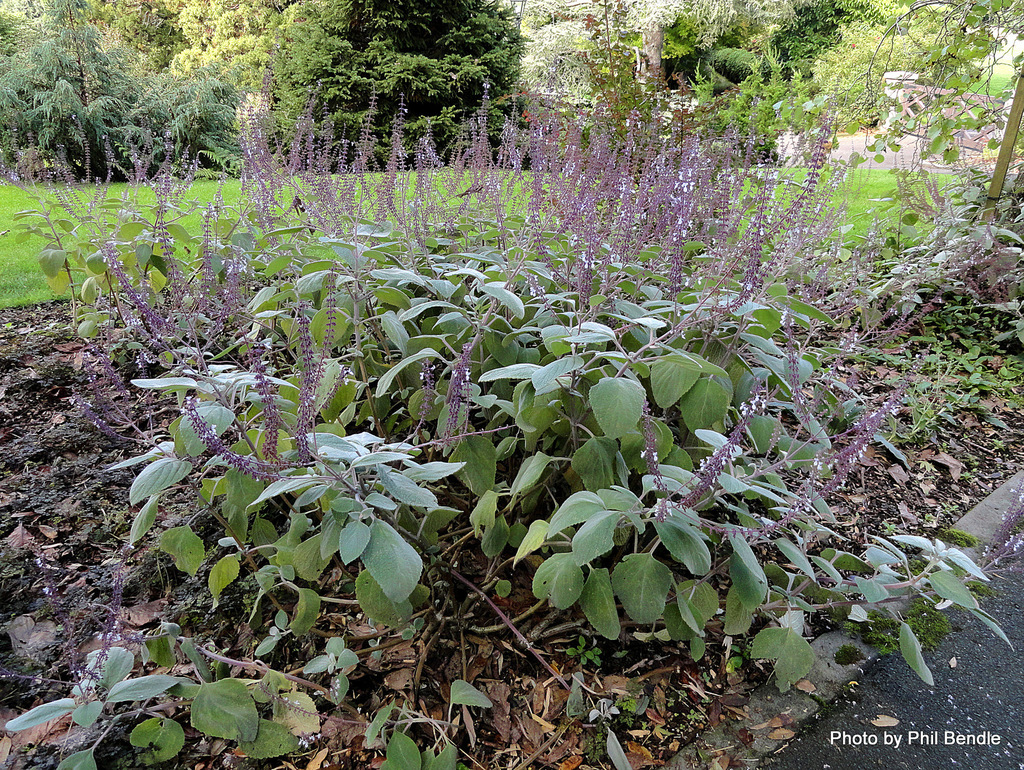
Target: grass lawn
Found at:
21, 280
22, 283
1003, 75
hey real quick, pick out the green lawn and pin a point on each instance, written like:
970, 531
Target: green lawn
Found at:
21, 280
22, 283
996, 82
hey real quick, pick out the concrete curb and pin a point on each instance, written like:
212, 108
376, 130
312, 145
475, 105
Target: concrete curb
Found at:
829, 678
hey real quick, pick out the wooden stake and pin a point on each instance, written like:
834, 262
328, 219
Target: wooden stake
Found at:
995, 191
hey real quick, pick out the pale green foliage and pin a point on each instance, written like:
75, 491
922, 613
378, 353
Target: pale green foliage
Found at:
850, 73
559, 42
236, 37
86, 105
382, 396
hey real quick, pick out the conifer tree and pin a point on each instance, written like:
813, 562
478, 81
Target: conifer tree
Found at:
79, 103
435, 56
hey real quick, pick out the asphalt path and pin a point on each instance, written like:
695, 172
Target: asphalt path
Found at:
953, 725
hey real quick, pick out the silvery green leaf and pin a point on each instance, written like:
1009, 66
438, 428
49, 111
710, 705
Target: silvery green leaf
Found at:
616, 754
592, 331
795, 556
87, 713
368, 439
827, 567
964, 562
545, 379
505, 297
910, 647
595, 537
873, 590
917, 542
377, 500
877, 556
431, 471
530, 473
712, 437
283, 486
80, 760
857, 614
464, 693
317, 665
393, 563
384, 383
141, 688
577, 508
118, 664
165, 383
616, 403
949, 587
42, 713
156, 477
793, 620
513, 372
136, 460
379, 458
406, 490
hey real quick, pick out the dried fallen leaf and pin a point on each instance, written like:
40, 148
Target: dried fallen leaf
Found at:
905, 513
781, 734
5, 748
141, 614
317, 761
20, 537
29, 638
884, 720
548, 727
47, 532
635, 748
571, 763
654, 716
955, 466
897, 472
42, 733
805, 685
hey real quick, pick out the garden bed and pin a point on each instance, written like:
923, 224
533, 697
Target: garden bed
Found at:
64, 519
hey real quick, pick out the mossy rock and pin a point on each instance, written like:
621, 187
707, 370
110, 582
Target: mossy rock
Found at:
959, 538
882, 631
848, 654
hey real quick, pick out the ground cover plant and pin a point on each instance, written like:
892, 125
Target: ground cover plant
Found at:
603, 396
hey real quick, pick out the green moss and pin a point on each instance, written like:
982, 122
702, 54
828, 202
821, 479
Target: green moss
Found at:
880, 631
981, 590
959, 538
928, 624
883, 632
848, 654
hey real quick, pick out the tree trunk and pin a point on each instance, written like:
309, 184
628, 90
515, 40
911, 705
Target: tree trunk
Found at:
653, 42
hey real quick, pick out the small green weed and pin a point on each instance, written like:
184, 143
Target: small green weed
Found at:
587, 656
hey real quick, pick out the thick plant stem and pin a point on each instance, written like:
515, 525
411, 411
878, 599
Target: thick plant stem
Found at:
518, 634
